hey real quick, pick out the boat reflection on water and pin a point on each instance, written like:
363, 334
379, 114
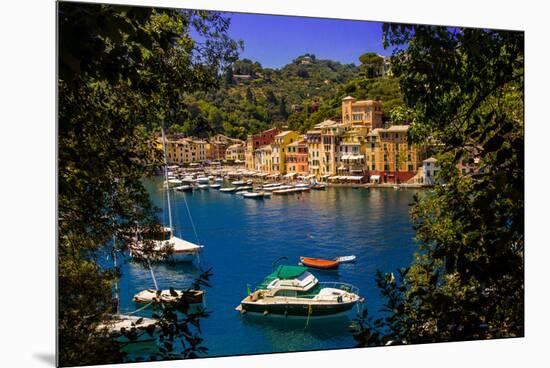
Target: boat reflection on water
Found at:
299, 332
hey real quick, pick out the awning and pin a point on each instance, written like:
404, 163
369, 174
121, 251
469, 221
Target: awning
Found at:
289, 175
311, 176
346, 157
357, 171
375, 177
274, 175
325, 176
333, 177
354, 177
355, 157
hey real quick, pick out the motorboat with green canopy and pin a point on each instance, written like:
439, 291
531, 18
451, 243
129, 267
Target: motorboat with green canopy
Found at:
294, 291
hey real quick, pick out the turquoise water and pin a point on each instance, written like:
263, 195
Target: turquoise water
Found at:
242, 237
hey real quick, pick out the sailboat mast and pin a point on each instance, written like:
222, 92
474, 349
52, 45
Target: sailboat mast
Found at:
116, 281
166, 180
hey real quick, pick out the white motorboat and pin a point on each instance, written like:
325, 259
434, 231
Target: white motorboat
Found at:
294, 291
202, 179
184, 188
215, 186
255, 195
238, 182
229, 189
202, 186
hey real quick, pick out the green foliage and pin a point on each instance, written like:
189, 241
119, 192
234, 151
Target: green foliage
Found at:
465, 87
122, 72
371, 64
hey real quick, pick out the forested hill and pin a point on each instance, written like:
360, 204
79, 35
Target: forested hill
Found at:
300, 94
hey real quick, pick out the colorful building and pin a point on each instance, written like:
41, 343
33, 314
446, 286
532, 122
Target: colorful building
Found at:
185, 150
256, 141
235, 152
263, 159
388, 156
279, 149
314, 151
217, 146
351, 152
367, 113
297, 158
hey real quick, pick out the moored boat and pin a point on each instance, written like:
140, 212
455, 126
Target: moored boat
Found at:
255, 195
168, 296
319, 186
229, 189
184, 188
323, 264
215, 186
294, 291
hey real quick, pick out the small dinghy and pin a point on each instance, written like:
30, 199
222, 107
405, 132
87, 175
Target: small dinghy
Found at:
168, 296
255, 195
229, 190
184, 188
319, 186
215, 186
345, 259
323, 264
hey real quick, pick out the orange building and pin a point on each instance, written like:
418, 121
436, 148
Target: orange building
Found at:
297, 158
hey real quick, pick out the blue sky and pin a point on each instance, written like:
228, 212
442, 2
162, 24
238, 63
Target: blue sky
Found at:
275, 40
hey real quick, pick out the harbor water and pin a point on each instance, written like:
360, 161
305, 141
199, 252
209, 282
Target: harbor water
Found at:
242, 237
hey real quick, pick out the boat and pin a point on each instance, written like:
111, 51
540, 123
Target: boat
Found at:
302, 185
229, 189
218, 180
202, 179
215, 186
181, 250
184, 188
242, 192
238, 182
326, 264
188, 180
172, 182
168, 296
118, 324
396, 187
255, 195
345, 259
319, 186
323, 264
202, 186
147, 330
294, 291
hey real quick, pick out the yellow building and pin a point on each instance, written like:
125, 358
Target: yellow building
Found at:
279, 149
367, 113
331, 133
389, 157
235, 152
314, 151
351, 151
185, 150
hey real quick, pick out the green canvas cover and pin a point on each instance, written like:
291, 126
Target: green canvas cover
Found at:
282, 272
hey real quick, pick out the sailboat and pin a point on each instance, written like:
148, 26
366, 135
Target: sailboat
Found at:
182, 250
144, 329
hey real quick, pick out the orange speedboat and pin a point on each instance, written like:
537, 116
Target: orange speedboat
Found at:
324, 264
